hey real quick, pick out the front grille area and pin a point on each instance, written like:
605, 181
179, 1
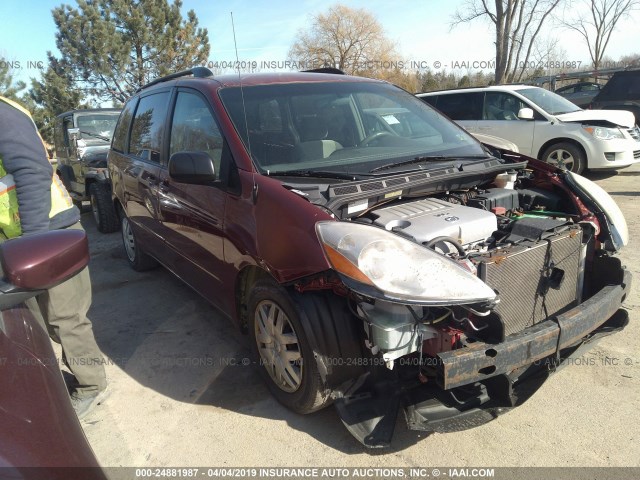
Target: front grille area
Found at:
528, 279
636, 154
635, 133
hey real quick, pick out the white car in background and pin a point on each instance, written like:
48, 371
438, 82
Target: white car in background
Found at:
544, 125
494, 141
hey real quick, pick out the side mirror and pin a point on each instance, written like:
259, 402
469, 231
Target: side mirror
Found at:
73, 136
40, 261
525, 114
192, 167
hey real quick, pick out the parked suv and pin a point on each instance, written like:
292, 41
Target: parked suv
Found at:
581, 93
622, 92
82, 139
377, 255
544, 125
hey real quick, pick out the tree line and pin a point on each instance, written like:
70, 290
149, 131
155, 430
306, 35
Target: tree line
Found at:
110, 48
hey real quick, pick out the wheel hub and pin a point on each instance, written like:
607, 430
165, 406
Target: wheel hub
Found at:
562, 158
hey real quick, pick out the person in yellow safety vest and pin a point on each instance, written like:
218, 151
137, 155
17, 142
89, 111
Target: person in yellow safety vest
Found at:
22, 160
32, 200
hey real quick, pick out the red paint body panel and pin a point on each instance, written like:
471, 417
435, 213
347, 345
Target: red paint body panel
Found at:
38, 426
23, 259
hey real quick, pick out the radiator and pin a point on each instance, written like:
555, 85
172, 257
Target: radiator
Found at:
535, 281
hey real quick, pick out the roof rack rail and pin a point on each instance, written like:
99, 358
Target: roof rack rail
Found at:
198, 72
332, 70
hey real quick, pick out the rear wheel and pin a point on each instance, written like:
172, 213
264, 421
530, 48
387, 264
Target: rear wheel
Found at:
136, 256
103, 211
565, 155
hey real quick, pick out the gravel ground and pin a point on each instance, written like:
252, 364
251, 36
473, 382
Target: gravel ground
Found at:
181, 396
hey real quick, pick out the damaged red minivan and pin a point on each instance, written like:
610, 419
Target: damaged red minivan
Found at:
378, 256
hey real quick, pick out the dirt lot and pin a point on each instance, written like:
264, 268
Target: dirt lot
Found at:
182, 396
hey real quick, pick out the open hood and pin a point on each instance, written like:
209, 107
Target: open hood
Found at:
621, 118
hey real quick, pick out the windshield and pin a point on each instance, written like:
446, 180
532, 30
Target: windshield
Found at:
97, 126
550, 102
348, 127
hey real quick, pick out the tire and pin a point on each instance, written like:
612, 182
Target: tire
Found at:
136, 256
566, 155
102, 207
290, 369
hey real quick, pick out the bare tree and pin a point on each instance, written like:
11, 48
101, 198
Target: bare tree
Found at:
517, 24
597, 25
347, 38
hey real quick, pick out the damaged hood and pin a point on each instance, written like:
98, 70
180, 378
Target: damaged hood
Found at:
621, 118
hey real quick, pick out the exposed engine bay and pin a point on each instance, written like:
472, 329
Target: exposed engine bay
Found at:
523, 242
468, 291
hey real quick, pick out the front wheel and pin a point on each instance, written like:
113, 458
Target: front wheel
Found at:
565, 155
282, 350
102, 208
297, 335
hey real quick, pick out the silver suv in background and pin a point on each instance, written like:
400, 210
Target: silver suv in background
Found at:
544, 125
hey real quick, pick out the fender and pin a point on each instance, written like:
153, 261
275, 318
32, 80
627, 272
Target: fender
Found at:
65, 172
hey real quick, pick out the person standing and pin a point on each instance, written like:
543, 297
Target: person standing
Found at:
33, 200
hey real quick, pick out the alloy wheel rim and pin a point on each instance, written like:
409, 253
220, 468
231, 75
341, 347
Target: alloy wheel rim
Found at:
278, 346
562, 158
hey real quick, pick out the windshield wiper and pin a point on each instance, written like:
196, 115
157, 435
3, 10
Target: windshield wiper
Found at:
432, 158
101, 137
313, 173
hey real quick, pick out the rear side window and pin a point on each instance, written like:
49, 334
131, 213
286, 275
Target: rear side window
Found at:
122, 128
461, 106
147, 130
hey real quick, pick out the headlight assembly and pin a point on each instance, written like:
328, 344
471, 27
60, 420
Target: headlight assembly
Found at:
399, 268
603, 133
615, 218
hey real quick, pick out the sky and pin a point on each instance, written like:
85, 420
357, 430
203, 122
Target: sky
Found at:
265, 30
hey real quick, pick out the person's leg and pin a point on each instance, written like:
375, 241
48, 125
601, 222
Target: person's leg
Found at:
64, 308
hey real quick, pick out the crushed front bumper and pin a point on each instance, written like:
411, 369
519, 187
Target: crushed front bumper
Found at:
477, 383
481, 361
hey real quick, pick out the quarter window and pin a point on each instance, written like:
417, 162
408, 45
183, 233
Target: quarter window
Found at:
122, 129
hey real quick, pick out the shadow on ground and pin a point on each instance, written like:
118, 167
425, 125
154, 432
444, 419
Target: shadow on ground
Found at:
167, 338
602, 174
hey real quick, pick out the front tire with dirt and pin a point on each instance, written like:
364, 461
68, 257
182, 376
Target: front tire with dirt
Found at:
280, 323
